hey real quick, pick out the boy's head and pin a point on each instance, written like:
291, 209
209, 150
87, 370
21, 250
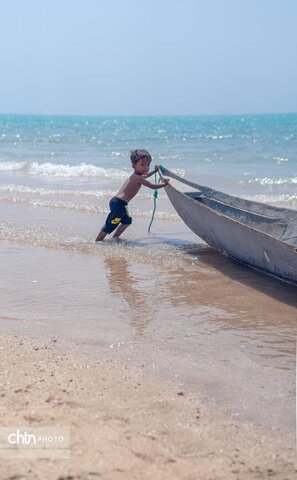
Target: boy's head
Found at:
140, 160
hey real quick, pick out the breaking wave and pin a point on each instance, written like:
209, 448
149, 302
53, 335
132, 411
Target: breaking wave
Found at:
66, 171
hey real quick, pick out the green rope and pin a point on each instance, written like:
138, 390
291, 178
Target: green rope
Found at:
162, 169
155, 195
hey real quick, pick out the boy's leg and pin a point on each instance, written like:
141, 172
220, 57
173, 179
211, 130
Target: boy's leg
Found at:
101, 235
120, 230
125, 222
112, 221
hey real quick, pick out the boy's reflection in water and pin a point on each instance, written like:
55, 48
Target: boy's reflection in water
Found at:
128, 292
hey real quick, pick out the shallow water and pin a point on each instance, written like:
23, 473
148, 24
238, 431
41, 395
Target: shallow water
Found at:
163, 301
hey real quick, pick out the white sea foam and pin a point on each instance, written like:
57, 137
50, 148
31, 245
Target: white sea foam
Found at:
80, 207
12, 166
119, 154
82, 170
22, 189
217, 137
282, 199
41, 191
140, 251
270, 181
280, 159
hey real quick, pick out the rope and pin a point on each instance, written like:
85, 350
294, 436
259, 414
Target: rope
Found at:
155, 195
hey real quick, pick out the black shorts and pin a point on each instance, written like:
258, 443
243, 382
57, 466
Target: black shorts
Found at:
118, 214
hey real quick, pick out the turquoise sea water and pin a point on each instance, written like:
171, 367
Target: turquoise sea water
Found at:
246, 154
75, 164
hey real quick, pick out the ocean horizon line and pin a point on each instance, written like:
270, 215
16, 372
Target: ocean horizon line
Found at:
90, 115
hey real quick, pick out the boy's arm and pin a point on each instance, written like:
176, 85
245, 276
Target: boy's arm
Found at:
153, 186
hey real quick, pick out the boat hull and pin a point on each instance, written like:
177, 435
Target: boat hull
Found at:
245, 244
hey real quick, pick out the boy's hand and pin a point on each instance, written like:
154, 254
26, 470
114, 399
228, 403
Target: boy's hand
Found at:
166, 181
157, 168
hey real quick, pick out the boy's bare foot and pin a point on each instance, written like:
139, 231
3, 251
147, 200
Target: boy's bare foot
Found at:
120, 230
101, 235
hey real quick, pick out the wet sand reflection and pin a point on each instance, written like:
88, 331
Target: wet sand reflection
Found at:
135, 286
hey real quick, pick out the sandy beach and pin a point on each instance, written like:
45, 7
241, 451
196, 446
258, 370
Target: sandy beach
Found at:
125, 423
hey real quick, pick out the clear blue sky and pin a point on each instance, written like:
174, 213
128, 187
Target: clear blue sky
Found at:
146, 57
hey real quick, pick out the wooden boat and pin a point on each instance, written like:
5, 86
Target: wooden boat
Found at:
255, 234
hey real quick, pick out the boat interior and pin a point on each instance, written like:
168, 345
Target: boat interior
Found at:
280, 228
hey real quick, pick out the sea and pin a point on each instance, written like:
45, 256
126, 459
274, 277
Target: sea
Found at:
163, 300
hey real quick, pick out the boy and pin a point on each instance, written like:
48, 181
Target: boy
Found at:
141, 160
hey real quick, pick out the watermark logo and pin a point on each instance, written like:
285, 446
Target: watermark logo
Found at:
34, 442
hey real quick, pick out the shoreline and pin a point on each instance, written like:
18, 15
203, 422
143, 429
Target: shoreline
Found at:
126, 423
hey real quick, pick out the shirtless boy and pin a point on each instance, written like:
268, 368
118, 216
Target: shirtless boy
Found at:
118, 219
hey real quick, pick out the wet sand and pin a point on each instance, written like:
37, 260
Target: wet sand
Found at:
125, 423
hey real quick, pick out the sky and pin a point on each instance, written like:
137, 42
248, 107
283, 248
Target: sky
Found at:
148, 57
